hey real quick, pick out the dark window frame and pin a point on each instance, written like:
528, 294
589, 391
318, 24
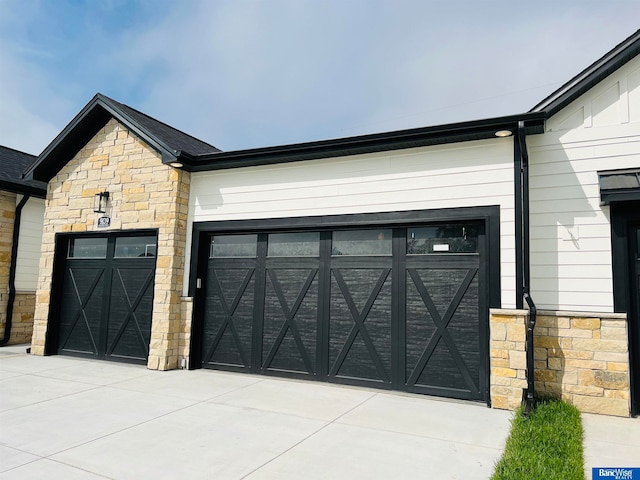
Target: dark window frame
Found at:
625, 217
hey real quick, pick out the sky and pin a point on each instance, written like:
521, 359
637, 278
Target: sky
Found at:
254, 73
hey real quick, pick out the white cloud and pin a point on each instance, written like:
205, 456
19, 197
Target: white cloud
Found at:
254, 73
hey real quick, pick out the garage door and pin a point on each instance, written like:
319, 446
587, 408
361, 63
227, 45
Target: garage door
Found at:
395, 308
106, 298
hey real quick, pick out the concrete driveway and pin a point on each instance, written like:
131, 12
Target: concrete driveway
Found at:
66, 418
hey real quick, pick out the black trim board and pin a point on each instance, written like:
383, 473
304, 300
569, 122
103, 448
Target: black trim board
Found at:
379, 142
23, 189
590, 76
89, 121
101, 108
625, 217
622, 215
12, 165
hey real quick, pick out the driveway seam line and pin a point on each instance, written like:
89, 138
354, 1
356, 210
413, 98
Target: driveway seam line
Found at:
308, 436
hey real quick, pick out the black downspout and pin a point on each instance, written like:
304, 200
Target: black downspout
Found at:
12, 270
517, 177
523, 285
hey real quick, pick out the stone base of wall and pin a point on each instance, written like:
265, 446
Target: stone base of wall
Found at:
22, 321
580, 357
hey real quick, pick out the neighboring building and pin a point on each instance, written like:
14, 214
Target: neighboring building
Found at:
21, 214
412, 260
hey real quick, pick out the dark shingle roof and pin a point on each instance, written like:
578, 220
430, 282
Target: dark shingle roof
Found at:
173, 144
172, 137
12, 164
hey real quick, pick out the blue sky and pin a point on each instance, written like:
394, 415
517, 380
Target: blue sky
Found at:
250, 73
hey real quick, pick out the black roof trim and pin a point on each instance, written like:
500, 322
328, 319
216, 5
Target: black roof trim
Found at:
171, 143
197, 156
590, 76
12, 164
379, 142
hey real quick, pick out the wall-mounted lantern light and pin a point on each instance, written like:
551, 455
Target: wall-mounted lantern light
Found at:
100, 202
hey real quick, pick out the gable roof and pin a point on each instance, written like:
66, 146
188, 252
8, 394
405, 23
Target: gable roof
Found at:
12, 164
590, 76
173, 144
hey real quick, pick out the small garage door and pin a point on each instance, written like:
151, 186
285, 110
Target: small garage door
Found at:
395, 308
106, 296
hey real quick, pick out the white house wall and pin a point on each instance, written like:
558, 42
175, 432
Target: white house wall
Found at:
29, 244
469, 174
570, 231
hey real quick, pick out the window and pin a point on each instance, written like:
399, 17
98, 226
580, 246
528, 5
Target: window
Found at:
128, 247
302, 244
362, 242
87, 248
234, 246
443, 239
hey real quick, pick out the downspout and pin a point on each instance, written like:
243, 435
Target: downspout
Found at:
524, 262
12, 270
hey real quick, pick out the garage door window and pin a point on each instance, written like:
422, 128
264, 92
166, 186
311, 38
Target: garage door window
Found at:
443, 239
87, 248
362, 242
130, 247
302, 244
234, 246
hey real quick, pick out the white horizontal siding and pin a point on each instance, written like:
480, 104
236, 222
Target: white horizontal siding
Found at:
570, 231
29, 244
469, 174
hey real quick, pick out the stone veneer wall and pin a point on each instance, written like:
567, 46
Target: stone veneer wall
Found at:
22, 321
144, 194
582, 358
7, 216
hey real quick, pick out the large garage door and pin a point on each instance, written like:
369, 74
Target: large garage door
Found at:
106, 297
397, 308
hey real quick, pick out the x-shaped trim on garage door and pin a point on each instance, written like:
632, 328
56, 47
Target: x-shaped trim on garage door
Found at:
441, 330
289, 323
359, 317
132, 306
83, 303
228, 317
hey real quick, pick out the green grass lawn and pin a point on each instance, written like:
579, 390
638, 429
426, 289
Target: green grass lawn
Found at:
545, 446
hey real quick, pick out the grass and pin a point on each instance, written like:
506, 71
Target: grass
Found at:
545, 446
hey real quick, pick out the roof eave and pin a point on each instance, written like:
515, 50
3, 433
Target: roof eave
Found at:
79, 131
23, 189
593, 74
396, 140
